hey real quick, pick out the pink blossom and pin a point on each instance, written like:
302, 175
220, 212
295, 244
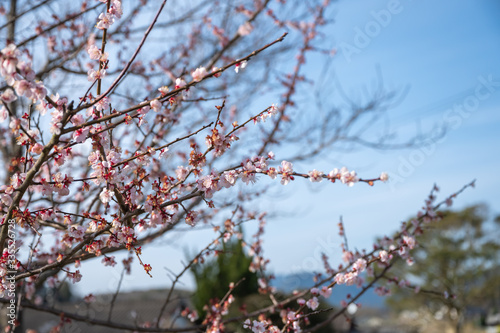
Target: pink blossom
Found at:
347, 177
163, 90
116, 9
359, 265
325, 291
89, 299
8, 96
4, 114
409, 241
93, 75
296, 327
350, 278
179, 83
215, 69
384, 177
76, 231
109, 261
103, 104
273, 110
6, 199
193, 316
105, 21
245, 29
271, 172
192, 217
228, 178
347, 256
94, 52
208, 184
155, 105
74, 277
199, 73
181, 172
339, 278
383, 255
334, 174
17, 179
313, 303
23, 88
106, 195
286, 171
315, 176
382, 291
77, 120
80, 135
259, 326
240, 65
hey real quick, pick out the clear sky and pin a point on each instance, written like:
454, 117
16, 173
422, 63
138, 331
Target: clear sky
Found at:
443, 52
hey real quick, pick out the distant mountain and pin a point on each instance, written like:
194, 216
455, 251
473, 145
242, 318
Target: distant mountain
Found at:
298, 281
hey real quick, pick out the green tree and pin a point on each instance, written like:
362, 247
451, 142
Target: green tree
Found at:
213, 277
460, 258
232, 265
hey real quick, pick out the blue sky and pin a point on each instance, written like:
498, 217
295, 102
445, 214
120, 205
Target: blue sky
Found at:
441, 51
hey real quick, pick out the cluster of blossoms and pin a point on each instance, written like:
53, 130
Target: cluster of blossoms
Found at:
120, 235
19, 74
214, 181
105, 21
219, 143
313, 302
60, 184
215, 311
262, 326
271, 111
192, 315
345, 176
104, 171
113, 13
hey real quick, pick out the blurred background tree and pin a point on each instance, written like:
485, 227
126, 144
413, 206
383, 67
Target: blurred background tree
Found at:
460, 258
213, 278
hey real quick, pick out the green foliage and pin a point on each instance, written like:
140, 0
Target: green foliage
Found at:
461, 257
214, 276
232, 265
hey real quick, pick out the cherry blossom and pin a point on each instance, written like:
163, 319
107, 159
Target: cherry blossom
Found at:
105, 21
325, 292
106, 195
315, 176
155, 105
199, 73
384, 176
409, 241
383, 255
313, 303
8, 96
286, 171
245, 29
74, 277
240, 65
348, 177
